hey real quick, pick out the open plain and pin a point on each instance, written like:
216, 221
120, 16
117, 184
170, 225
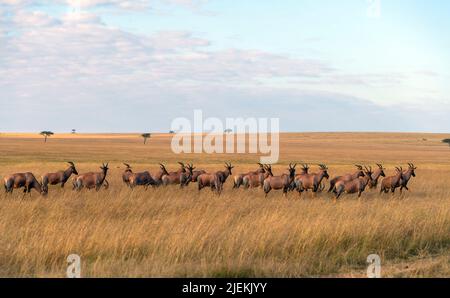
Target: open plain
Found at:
173, 232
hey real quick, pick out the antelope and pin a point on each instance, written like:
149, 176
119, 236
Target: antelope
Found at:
212, 180
357, 185
407, 176
392, 182
376, 175
92, 180
26, 180
186, 177
174, 177
127, 174
60, 177
239, 179
254, 180
140, 179
158, 177
313, 181
225, 174
195, 175
279, 182
347, 177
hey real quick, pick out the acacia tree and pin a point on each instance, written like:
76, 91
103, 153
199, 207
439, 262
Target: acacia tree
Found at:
447, 141
46, 134
146, 136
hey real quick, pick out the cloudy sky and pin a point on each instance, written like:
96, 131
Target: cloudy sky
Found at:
133, 66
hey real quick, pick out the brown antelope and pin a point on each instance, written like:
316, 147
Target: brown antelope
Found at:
195, 175
254, 180
127, 174
140, 179
347, 177
376, 175
407, 176
357, 185
158, 177
225, 174
92, 180
282, 182
392, 182
186, 177
239, 179
60, 177
305, 181
174, 177
210, 180
25, 180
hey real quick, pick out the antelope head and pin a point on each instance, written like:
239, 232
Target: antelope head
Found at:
324, 170
72, 166
229, 167
412, 169
305, 168
183, 167
261, 170
380, 166
104, 167
163, 169
128, 167
268, 169
361, 170
291, 170
190, 168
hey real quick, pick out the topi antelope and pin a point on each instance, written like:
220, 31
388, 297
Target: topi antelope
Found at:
392, 182
186, 177
210, 180
127, 174
239, 179
347, 177
357, 185
254, 180
60, 177
407, 176
225, 174
162, 172
92, 180
26, 180
305, 181
140, 179
195, 175
282, 182
376, 175
174, 177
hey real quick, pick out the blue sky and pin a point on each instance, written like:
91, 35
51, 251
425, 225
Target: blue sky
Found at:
129, 66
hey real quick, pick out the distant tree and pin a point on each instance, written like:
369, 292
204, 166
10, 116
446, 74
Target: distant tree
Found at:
447, 141
172, 132
146, 136
74, 131
46, 134
228, 130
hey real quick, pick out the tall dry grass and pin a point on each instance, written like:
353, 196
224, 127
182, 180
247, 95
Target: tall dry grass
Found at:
173, 232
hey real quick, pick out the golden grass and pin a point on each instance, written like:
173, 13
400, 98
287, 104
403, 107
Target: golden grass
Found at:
173, 232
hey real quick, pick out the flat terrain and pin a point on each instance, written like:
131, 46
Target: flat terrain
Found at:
171, 232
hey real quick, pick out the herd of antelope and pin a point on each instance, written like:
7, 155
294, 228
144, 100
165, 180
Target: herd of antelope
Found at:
262, 177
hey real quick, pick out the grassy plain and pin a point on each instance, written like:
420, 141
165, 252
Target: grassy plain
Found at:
168, 232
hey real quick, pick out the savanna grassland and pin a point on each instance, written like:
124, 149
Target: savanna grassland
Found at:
169, 232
